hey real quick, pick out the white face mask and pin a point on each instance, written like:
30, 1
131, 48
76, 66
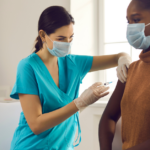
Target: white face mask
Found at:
60, 49
136, 36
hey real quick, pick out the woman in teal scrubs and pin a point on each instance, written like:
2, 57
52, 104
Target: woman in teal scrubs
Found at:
47, 85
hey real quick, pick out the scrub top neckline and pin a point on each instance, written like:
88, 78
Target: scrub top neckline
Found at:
48, 73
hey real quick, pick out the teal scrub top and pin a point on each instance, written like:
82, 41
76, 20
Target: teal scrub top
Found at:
34, 78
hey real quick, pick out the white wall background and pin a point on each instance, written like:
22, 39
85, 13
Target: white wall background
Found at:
18, 31
86, 34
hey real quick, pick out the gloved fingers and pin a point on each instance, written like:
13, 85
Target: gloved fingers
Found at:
119, 77
101, 90
104, 94
125, 72
127, 65
122, 75
97, 84
96, 90
100, 87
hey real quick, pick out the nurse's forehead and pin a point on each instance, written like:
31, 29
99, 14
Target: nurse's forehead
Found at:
64, 32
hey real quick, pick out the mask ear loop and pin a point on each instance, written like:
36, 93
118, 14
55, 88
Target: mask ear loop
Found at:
147, 24
49, 37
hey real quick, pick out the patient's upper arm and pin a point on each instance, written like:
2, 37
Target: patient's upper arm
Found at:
113, 109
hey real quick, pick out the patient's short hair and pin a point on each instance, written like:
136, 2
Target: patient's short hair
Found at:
143, 4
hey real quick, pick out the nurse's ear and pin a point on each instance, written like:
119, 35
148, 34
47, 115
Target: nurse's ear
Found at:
42, 35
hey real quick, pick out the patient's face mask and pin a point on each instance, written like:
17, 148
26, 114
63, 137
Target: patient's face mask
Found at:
136, 36
60, 49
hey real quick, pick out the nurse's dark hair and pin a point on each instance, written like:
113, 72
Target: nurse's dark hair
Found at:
143, 4
50, 20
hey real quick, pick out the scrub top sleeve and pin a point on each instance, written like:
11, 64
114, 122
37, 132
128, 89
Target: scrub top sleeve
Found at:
25, 80
84, 64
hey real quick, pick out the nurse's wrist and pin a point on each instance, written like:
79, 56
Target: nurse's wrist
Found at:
75, 106
124, 56
79, 103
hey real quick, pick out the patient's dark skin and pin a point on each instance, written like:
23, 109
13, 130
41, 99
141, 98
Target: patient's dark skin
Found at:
136, 13
110, 117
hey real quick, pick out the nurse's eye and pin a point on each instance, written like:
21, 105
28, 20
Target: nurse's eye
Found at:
61, 39
72, 37
136, 20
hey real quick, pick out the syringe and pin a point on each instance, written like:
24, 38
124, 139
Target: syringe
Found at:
107, 83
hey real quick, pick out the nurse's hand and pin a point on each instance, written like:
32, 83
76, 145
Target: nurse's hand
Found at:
91, 95
123, 66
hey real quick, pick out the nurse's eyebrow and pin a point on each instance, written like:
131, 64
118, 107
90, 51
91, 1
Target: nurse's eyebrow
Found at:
64, 36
